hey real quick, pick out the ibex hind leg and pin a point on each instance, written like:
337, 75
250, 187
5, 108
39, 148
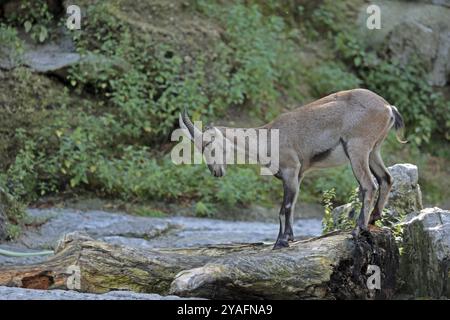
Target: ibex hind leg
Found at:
384, 180
358, 155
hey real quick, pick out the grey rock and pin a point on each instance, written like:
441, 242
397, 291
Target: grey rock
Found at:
413, 28
7, 293
57, 57
97, 224
425, 260
405, 196
342, 214
430, 42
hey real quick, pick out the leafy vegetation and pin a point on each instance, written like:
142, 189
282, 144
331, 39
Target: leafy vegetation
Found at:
35, 19
14, 212
345, 218
12, 48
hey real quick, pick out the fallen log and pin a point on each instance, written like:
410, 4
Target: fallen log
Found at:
333, 266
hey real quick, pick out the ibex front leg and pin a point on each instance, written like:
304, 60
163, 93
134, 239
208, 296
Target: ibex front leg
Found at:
290, 187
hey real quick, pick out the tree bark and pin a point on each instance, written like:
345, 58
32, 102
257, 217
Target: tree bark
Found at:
329, 267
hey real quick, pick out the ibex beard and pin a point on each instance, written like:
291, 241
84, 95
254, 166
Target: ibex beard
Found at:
344, 127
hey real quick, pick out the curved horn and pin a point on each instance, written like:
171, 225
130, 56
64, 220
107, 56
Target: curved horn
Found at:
188, 123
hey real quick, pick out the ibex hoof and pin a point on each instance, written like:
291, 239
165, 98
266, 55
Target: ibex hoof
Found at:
358, 231
281, 244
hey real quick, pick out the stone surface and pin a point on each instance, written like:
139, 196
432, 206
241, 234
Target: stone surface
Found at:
97, 224
8, 293
144, 232
405, 196
445, 3
410, 28
57, 57
426, 257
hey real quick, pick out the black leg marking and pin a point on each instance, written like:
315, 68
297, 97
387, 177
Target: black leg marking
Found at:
388, 179
290, 188
321, 155
344, 146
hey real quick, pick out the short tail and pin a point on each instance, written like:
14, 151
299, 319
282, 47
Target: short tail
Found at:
398, 123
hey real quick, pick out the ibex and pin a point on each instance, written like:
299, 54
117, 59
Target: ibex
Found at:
344, 126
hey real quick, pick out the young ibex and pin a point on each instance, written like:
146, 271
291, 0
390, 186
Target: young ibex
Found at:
345, 126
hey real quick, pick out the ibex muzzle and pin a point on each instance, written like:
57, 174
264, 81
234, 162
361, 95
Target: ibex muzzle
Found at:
347, 126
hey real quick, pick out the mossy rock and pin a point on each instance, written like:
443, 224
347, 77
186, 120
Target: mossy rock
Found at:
424, 265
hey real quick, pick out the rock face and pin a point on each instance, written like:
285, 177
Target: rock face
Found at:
430, 41
426, 254
405, 196
57, 57
414, 28
328, 267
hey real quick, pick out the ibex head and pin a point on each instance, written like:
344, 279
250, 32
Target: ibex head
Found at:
209, 142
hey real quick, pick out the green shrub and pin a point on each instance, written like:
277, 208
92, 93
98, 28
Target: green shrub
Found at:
12, 47
12, 210
331, 77
328, 204
34, 18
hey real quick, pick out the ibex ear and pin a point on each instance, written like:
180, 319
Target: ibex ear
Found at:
218, 132
184, 127
219, 135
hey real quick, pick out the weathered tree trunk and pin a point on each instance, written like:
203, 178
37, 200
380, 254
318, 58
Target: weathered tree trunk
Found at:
330, 267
